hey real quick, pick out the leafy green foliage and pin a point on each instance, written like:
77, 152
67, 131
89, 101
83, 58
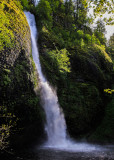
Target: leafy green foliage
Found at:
20, 110
10, 17
61, 59
110, 46
82, 109
24, 3
44, 14
110, 91
105, 130
66, 29
82, 75
80, 13
19, 100
8, 121
6, 34
102, 51
100, 32
101, 7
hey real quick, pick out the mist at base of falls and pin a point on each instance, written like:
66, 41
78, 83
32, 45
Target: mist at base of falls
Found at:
75, 146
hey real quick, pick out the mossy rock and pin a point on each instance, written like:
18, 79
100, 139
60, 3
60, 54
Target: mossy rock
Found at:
80, 92
102, 58
87, 69
105, 131
81, 103
19, 83
14, 32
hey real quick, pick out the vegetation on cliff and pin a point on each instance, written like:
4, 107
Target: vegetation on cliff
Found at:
75, 58
65, 27
20, 110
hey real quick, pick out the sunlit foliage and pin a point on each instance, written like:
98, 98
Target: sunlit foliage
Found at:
82, 75
102, 51
61, 59
110, 91
101, 7
10, 27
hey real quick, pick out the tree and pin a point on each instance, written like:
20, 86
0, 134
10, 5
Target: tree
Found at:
80, 13
100, 7
31, 1
68, 14
44, 13
100, 26
111, 41
57, 11
61, 59
24, 3
100, 31
111, 45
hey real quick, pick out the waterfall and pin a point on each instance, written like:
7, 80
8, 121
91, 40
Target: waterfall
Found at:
55, 123
36, 2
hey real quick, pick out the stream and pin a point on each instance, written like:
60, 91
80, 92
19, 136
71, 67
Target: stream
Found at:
38, 153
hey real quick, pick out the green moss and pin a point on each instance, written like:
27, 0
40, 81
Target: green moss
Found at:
18, 77
105, 131
7, 70
34, 77
80, 91
6, 34
10, 27
19, 99
81, 103
103, 53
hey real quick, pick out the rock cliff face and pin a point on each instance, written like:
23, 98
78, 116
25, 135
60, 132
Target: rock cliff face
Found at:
88, 109
20, 111
15, 33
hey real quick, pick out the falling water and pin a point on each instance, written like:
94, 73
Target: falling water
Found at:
36, 2
55, 125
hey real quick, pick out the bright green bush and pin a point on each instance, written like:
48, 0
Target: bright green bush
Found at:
61, 59
44, 11
103, 53
80, 34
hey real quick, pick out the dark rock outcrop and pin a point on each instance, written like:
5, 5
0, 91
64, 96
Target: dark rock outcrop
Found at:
21, 117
